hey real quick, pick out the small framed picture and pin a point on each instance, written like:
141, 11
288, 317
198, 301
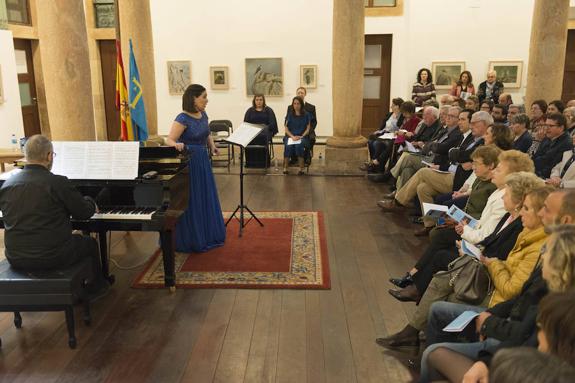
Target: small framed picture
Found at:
508, 72
179, 76
446, 73
308, 76
219, 77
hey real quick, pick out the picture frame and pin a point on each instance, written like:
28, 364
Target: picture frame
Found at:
308, 76
264, 76
219, 78
1, 87
446, 73
179, 76
509, 72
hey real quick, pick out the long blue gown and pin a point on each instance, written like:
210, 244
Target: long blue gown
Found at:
201, 227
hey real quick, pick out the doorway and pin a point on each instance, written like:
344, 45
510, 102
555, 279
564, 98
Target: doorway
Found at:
27, 85
376, 82
569, 74
108, 63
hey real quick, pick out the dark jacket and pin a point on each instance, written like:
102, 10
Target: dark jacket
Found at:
481, 190
466, 148
443, 144
310, 108
495, 92
550, 153
499, 243
387, 116
523, 142
426, 132
37, 206
266, 117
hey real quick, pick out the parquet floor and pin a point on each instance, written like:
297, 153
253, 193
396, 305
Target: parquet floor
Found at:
231, 335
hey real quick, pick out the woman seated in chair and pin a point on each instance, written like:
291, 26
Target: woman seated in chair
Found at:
260, 114
297, 126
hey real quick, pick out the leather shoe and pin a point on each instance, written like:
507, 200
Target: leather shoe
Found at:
389, 195
390, 206
423, 232
402, 282
408, 337
409, 294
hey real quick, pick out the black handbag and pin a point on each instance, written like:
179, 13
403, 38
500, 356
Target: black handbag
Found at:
468, 278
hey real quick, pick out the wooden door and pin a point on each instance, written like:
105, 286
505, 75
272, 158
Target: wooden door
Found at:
569, 74
376, 82
108, 63
27, 85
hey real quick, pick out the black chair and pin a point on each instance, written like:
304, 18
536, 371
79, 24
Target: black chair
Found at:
220, 130
46, 290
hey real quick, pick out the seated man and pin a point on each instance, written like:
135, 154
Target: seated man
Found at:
37, 206
499, 113
563, 174
505, 99
513, 110
551, 149
490, 89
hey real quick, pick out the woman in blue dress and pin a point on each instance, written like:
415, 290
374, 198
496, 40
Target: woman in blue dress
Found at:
201, 227
297, 126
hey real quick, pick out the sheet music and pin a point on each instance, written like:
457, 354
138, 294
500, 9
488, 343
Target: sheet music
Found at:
96, 159
291, 141
244, 134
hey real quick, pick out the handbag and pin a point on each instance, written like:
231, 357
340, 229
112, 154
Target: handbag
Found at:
468, 278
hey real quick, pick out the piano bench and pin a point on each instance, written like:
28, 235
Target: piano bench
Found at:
46, 290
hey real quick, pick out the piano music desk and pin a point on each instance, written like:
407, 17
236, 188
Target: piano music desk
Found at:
9, 156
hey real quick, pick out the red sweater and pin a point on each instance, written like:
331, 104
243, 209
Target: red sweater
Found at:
408, 125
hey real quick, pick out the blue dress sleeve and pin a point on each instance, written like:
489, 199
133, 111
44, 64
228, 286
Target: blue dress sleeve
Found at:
182, 119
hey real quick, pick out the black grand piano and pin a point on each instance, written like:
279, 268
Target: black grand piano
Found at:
151, 202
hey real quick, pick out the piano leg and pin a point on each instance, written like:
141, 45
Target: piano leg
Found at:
102, 240
168, 257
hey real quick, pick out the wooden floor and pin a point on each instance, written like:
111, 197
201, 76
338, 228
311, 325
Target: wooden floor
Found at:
239, 335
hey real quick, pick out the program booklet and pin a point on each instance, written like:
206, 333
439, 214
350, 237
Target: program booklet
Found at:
435, 211
459, 323
462, 217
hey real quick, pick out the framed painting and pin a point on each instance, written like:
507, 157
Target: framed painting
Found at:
508, 72
446, 73
308, 76
219, 77
264, 76
179, 76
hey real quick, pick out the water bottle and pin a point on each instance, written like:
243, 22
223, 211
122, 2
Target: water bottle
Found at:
14, 143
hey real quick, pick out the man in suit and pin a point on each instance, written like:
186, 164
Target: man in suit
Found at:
309, 108
563, 174
428, 182
556, 142
36, 207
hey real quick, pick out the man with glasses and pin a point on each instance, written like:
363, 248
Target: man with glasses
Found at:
36, 206
556, 142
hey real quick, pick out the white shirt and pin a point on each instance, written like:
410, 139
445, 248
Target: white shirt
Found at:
490, 217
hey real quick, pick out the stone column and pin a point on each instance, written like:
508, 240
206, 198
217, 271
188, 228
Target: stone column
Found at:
547, 50
136, 24
347, 148
66, 67
3, 15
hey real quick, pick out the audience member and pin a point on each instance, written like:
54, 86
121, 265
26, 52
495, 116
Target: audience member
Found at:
410, 122
487, 106
538, 120
555, 106
569, 114
514, 110
563, 174
570, 103
490, 89
499, 113
551, 150
472, 102
446, 99
505, 99
423, 89
463, 88
500, 136
520, 127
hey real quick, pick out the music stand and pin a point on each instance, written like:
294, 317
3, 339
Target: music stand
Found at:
241, 137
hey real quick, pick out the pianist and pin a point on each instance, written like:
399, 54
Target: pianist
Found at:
36, 206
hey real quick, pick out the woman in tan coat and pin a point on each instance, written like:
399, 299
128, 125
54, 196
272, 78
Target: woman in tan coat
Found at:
509, 276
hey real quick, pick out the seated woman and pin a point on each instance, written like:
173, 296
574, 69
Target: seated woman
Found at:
538, 127
487, 106
260, 114
297, 126
514, 322
501, 244
376, 146
500, 136
410, 122
423, 89
520, 127
472, 103
463, 88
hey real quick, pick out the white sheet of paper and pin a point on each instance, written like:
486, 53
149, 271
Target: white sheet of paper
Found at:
432, 206
291, 141
411, 148
244, 134
459, 323
387, 136
470, 249
96, 160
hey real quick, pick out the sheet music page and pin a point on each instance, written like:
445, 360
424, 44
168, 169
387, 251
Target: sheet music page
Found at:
96, 160
244, 134
291, 141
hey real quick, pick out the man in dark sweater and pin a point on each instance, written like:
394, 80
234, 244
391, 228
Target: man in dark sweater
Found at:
36, 206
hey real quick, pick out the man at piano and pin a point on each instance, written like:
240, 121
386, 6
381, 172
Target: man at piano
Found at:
36, 207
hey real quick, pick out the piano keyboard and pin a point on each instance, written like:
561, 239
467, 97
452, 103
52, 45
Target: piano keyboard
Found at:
125, 212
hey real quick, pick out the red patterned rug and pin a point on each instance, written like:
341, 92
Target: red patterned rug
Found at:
289, 251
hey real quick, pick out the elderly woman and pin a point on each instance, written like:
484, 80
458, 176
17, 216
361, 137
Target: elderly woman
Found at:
520, 128
509, 163
514, 322
297, 126
490, 89
463, 88
423, 89
500, 136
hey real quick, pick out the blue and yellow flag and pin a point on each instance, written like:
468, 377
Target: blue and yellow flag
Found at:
138, 111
